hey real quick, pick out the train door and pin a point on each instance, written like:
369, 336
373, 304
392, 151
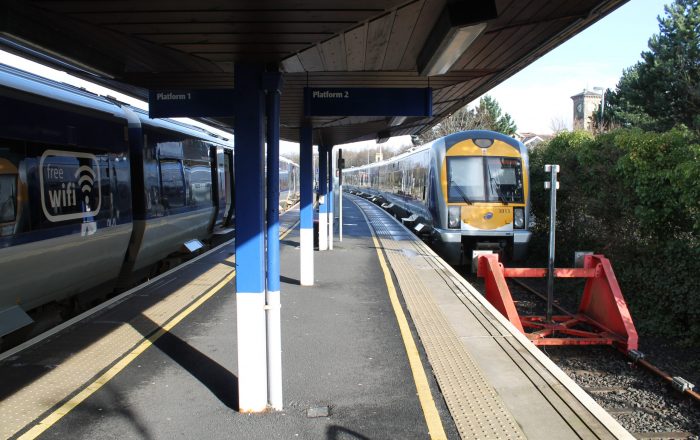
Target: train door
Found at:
295, 180
229, 187
284, 176
114, 191
221, 184
219, 193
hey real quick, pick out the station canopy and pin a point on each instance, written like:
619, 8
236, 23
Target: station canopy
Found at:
135, 45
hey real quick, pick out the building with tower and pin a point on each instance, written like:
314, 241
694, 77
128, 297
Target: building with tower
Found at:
585, 103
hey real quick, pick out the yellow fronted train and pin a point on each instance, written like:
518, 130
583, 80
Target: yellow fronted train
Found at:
463, 192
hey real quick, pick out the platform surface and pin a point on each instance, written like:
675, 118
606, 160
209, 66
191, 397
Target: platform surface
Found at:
162, 363
341, 350
496, 383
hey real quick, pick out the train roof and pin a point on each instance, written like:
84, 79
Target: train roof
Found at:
287, 160
181, 127
454, 138
49, 89
449, 141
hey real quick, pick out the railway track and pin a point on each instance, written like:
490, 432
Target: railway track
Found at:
642, 402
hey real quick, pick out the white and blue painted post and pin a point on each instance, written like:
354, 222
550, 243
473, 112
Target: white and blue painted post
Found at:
250, 240
306, 213
273, 87
331, 200
322, 198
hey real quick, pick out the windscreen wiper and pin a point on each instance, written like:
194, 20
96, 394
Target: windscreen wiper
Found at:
460, 191
496, 186
498, 191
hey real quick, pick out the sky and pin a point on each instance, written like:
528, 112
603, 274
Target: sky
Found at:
594, 58
536, 95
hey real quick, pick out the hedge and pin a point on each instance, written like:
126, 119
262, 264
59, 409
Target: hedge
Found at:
633, 196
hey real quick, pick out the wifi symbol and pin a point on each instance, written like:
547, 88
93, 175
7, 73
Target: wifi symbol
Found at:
85, 182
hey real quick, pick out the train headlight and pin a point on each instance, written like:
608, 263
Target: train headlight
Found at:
518, 218
454, 220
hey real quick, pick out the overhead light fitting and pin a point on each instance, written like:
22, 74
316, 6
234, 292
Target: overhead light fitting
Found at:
455, 30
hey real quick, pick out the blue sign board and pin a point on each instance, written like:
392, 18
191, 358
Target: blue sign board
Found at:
191, 103
349, 101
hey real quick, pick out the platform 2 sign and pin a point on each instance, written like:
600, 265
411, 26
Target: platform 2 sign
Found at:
348, 101
191, 103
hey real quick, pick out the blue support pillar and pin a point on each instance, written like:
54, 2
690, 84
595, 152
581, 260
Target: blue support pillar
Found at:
274, 332
323, 198
250, 240
306, 214
331, 199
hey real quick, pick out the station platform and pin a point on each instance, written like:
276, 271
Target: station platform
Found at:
389, 343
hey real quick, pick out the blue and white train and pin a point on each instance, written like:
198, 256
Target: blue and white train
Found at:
464, 192
93, 193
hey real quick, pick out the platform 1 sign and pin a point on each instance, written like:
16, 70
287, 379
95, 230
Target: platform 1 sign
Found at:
349, 101
191, 103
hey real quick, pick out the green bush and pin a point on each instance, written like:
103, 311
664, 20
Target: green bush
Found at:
633, 196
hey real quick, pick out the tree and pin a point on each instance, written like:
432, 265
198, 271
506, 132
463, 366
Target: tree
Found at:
356, 157
622, 106
631, 195
486, 116
663, 90
489, 112
558, 125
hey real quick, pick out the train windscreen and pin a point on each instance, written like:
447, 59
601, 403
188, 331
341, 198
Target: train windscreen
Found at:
484, 179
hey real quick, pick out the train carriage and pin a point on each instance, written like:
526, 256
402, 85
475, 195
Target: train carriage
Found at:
72, 215
464, 192
94, 194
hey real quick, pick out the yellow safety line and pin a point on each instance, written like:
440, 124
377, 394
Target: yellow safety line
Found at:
67, 407
289, 229
76, 400
430, 412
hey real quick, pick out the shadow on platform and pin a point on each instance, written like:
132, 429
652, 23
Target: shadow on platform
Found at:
288, 280
220, 381
334, 432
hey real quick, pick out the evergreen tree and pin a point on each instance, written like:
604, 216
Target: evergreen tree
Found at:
622, 106
663, 90
489, 112
487, 116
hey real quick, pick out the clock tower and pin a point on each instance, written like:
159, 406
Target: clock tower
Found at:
585, 103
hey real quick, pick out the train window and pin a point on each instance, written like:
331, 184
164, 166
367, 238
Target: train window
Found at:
8, 198
396, 177
199, 182
284, 176
418, 183
484, 179
465, 179
172, 183
505, 179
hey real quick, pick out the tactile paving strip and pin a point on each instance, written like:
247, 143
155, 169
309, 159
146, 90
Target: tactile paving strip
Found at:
575, 414
475, 406
28, 404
